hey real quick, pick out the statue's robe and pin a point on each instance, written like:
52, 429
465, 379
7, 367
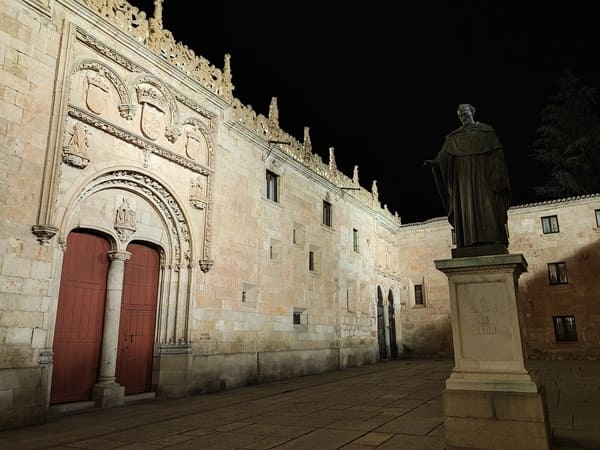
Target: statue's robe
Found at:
472, 181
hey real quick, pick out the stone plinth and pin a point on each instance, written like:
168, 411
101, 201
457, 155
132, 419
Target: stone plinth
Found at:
490, 401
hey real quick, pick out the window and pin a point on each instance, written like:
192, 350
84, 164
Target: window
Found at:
326, 213
298, 235
274, 249
355, 239
297, 317
272, 185
557, 273
314, 259
597, 217
300, 319
550, 224
453, 236
565, 329
419, 294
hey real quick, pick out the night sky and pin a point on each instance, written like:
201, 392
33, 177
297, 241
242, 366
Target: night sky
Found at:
380, 81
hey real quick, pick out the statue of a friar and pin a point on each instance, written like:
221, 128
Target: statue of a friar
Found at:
472, 181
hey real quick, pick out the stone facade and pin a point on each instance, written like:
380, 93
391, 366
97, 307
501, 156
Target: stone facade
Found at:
112, 129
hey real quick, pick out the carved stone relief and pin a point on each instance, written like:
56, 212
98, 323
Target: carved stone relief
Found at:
125, 220
198, 192
153, 111
196, 147
96, 92
75, 151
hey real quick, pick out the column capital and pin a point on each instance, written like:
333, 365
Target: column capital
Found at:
118, 255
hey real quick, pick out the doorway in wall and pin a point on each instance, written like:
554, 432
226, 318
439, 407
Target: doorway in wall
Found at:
79, 318
381, 325
138, 319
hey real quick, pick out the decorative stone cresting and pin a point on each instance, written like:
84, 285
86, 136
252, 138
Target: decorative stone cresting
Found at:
161, 42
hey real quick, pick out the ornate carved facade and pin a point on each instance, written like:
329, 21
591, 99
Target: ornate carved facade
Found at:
123, 140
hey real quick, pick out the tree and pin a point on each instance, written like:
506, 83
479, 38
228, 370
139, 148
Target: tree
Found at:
568, 140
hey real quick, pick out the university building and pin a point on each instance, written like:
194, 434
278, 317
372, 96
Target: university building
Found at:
160, 238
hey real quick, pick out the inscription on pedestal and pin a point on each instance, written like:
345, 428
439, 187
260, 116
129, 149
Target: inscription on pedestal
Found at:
483, 322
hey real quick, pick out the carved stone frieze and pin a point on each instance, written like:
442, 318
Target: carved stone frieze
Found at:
106, 51
139, 142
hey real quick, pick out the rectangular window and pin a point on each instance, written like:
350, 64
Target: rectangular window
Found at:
565, 329
418, 294
597, 217
557, 273
355, 239
311, 261
550, 224
272, 182
300, 319
453, 236
326, 213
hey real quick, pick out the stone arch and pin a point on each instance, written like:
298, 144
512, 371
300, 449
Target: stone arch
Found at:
173, 130
117, 82
199, 127
172, 236
178, 247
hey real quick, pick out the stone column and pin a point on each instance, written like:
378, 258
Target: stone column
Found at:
491, 400
107, 392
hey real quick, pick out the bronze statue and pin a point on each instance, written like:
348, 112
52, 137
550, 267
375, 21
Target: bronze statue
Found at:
472, 180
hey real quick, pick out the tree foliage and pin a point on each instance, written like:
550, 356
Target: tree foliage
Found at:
568, 140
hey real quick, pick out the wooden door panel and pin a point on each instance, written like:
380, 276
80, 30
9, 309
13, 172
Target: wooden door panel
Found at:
80, 317
138, 318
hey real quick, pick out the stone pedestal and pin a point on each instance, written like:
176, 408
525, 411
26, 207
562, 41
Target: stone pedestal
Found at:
107, 395
490, 401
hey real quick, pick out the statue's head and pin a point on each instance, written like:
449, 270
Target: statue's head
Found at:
465, 113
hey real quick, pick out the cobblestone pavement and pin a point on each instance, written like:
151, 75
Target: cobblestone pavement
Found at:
388, 405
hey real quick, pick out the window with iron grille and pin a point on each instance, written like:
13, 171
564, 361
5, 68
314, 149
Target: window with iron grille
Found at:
419, 294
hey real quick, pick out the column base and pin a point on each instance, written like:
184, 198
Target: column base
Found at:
107, 395
491, 381
493, 420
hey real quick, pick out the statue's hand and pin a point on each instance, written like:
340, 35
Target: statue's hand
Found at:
428, 163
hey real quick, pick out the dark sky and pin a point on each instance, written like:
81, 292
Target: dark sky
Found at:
380, 81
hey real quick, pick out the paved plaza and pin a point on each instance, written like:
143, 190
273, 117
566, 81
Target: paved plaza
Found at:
388, 405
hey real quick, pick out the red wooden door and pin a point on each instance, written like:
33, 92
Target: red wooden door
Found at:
79, 318
138, 317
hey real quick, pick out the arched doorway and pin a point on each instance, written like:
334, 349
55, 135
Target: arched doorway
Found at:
80, 317
381, 325
392, 320
138, 319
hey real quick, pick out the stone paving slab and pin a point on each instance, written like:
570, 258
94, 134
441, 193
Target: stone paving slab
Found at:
388, 405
